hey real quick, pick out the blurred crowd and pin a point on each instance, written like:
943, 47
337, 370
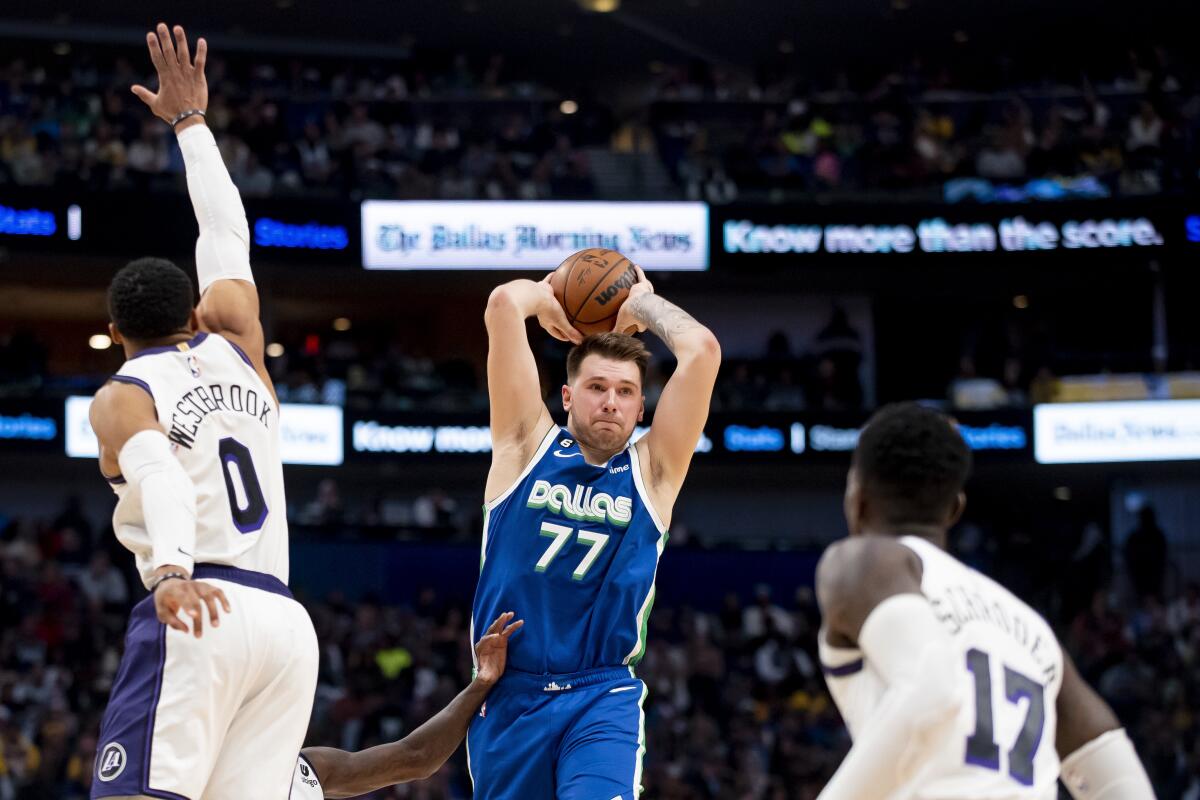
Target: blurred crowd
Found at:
1131, 127
737, 705
412, 127
378, 372
371, 368
450, 126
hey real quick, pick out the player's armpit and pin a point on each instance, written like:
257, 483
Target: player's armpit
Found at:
856, 575
519, 417
231, 308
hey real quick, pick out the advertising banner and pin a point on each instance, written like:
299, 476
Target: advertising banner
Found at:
530, 235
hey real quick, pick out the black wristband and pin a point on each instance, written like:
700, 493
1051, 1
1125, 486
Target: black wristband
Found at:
166, 577
191, 112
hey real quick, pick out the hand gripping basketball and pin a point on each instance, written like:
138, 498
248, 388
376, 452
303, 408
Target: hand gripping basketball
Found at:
592, 285
552, 317
626, 321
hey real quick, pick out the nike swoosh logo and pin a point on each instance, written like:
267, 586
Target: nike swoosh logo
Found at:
185, 552
561, 454
622, 689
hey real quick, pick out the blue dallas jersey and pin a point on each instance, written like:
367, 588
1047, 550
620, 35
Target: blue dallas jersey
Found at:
573, 549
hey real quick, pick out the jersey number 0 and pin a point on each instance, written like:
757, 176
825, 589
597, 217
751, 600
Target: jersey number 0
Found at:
246, 502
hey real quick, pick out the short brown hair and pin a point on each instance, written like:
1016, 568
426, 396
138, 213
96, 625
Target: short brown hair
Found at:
617, 346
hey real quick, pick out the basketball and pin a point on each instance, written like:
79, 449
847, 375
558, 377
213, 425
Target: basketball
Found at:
591, 285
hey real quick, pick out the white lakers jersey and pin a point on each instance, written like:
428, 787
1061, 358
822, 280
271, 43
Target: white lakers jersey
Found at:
1002, 744
306, 785
223, 424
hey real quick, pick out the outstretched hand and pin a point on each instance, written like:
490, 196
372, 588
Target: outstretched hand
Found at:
491, 653
181, 82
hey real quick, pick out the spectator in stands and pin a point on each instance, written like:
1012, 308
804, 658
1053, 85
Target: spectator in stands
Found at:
326, 508
1146, 554
102, 584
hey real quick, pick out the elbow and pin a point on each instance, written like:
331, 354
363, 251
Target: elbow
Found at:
939, 693
500, 302
704, 348
710, 347
424, 765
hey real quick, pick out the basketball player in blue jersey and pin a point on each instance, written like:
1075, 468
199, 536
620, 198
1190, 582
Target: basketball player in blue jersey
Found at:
575, 521
950, 685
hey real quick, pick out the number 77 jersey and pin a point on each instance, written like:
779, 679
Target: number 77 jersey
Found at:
223, 424
1001, 746
573, 549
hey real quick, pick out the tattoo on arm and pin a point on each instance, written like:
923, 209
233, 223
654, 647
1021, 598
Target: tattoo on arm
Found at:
667, 320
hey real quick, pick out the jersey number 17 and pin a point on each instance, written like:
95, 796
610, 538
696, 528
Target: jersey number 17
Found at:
982, 749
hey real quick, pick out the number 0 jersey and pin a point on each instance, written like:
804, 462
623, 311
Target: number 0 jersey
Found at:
573, 549
1001, 746
223, 424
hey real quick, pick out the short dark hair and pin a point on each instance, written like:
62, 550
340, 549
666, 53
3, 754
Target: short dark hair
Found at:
617, 346
150, 298
913, 462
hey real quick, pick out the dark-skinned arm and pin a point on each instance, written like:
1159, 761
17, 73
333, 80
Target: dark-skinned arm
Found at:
425, 750
413, 758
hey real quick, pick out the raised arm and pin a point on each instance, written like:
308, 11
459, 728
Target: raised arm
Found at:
682, 409
422, 752
869, 589
519, 417
1098, 760
228, 297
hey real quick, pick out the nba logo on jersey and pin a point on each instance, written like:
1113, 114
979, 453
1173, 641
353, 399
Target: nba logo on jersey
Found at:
112, 762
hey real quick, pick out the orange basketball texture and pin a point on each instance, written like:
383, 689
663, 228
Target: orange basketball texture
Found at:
591, 285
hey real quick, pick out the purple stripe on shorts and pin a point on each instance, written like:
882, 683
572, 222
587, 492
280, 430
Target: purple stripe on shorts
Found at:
843, 670
245, 577
124, 744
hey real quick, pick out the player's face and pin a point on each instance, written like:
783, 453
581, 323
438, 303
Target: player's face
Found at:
605, 402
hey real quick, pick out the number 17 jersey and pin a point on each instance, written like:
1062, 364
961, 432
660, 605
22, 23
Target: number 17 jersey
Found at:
1009, 668
573, 549
223, 425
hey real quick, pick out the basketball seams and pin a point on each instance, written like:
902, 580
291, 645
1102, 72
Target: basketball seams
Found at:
575, 316
566, 284
610, 316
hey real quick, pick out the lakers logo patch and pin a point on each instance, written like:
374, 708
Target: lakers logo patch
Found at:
111, 762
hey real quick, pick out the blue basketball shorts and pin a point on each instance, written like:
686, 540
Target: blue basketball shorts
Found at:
560, 737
